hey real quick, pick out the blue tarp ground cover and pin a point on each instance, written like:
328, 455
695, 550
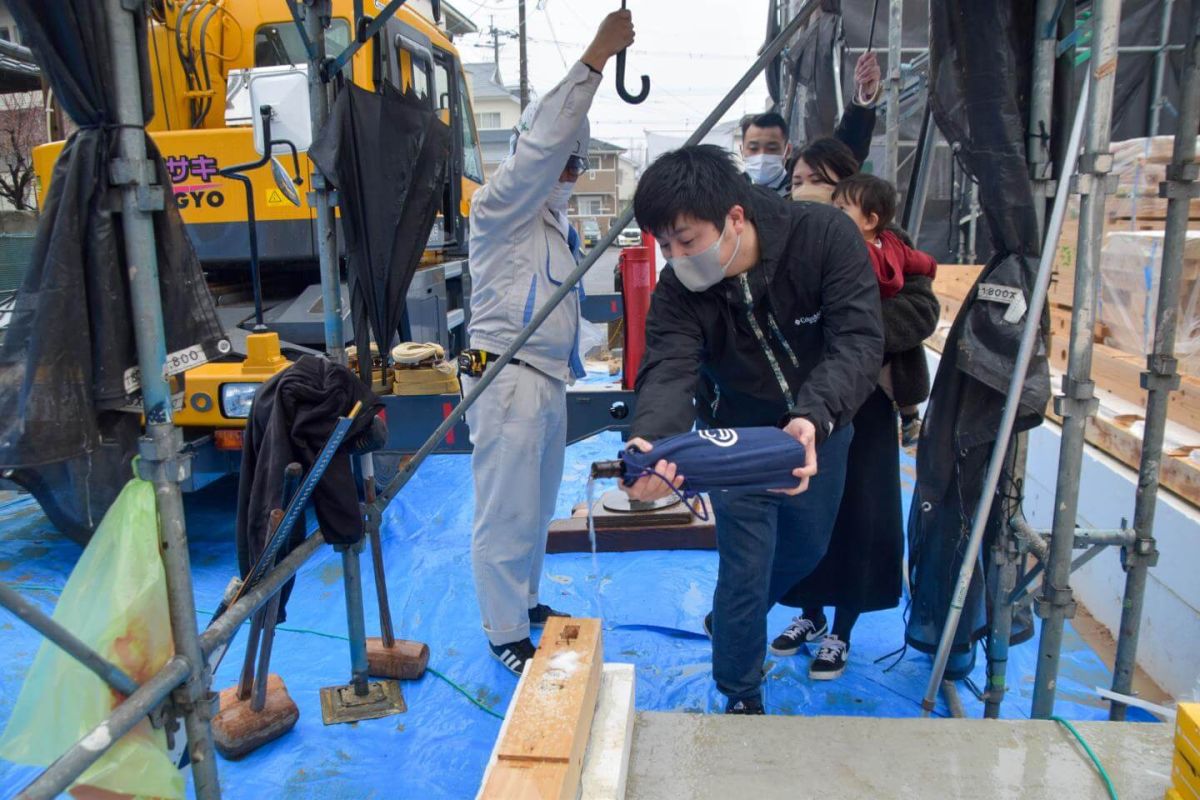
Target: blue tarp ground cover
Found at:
653, 604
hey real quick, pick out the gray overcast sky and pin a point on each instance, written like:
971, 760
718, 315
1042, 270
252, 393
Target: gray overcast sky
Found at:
693, 51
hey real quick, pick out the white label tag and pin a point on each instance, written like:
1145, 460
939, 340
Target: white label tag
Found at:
185, 359
133, 380
1013, 298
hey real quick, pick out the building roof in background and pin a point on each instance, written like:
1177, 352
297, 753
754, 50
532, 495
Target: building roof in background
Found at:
601, 146
457, 23
18, 71
483, 82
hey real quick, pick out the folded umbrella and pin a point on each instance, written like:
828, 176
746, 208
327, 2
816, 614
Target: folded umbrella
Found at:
715, 460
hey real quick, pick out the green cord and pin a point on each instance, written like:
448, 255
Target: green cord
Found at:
430, 670
1108, 784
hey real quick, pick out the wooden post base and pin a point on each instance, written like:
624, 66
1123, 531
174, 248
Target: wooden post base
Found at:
238, 731
405, 660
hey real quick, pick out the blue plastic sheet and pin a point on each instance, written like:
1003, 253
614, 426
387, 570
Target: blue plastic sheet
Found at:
653, 603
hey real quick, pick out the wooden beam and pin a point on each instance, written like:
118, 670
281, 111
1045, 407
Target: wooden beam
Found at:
539, 754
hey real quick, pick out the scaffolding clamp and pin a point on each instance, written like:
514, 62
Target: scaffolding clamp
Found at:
1078, 399
1055, 598
142, 174
164, 461
1161, 373
1142, 551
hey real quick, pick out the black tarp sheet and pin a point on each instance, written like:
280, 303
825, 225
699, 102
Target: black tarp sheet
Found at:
387, 153
65, 355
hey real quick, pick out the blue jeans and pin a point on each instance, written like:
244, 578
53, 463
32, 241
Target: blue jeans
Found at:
766, 543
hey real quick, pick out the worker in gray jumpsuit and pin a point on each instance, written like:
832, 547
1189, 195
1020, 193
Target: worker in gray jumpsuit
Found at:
520, 253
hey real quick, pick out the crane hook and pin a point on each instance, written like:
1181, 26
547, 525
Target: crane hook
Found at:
632, 99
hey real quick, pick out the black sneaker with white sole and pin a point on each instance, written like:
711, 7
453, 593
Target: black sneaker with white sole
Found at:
831, 658
513, 655
797, 635
708, 624
752, 706
542, 612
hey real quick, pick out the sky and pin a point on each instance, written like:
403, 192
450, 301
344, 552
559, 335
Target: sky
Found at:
693, 51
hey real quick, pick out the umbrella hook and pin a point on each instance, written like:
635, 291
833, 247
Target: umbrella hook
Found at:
632, 99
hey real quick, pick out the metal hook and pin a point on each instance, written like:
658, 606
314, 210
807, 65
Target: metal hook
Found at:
632, 99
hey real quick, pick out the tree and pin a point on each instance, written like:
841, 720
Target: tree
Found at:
22, 127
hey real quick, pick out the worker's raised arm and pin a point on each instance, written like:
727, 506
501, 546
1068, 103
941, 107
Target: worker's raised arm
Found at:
552, 133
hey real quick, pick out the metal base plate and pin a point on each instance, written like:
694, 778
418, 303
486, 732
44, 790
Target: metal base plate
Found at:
341, 704
618, 501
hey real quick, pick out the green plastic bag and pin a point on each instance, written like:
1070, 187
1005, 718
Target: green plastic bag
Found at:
116, 602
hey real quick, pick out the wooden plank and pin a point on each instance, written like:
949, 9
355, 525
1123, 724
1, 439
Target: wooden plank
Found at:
540, 751
1178, 473
606, 763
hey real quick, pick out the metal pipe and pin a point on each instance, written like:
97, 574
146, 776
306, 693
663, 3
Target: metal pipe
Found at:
1041, 102
160, 447
1077, 403
1029, 337
568, 285
953, 701
1035, 540
246, 679
1005, 557
317, 14
41, 622
355, 626
67, 768
1161, 376
270, 614
891, 158
973, 224
1158, 97
223, 629
386, 632
918, 186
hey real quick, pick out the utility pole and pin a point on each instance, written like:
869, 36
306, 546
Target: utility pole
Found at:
524, 56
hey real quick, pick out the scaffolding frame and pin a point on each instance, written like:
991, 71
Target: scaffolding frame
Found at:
182, 688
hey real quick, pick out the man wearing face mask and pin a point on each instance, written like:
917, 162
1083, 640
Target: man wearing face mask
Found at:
520, 252
767, 150
776, 305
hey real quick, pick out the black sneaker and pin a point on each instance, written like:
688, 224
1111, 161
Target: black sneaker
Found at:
513, 655
752, 706
910, 432
797, 635
542, 612
830, 662
708, 624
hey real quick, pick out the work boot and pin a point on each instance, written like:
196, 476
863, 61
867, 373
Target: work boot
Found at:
514, 655
542, 612
797, 635
748, 705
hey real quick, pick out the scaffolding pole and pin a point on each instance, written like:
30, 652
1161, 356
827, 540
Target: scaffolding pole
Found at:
316, 17
1160, 376
891, 158
1158, 95
1041, 101
1078, 403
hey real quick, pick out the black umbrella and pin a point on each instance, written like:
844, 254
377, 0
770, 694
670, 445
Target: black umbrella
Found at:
387, 153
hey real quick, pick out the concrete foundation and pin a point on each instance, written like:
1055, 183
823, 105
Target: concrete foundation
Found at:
703, 756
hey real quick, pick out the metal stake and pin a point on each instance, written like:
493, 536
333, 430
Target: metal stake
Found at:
1160, 377
1078, 402
373, 522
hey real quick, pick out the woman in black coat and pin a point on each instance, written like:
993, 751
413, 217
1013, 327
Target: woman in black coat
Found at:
862, 569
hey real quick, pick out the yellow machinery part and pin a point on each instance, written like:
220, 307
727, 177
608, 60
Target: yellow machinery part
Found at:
202, 385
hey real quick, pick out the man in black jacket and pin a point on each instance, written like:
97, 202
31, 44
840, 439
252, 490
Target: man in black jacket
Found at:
776, 304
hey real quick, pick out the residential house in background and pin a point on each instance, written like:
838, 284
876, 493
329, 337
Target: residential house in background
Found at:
598, 193
497, 112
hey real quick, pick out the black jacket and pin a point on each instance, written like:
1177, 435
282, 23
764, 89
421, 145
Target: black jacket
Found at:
909, 319
815, 302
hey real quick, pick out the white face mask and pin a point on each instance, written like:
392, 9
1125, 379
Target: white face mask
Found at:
765, 169
559, 195
704, 270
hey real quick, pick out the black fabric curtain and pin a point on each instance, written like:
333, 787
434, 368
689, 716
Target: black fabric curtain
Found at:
387, 153
67, 355
980, 62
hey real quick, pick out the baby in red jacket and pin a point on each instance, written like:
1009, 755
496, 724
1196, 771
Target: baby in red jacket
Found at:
871, 203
